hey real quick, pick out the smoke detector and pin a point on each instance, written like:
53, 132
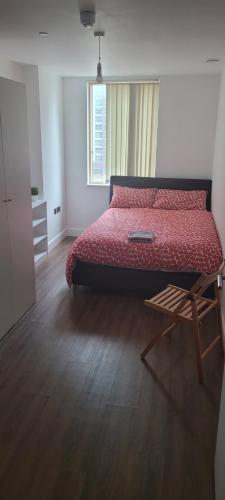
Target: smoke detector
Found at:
87, 18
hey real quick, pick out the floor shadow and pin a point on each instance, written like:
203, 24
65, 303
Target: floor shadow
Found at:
186, 423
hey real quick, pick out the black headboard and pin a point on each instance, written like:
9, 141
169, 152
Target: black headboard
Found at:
164, 183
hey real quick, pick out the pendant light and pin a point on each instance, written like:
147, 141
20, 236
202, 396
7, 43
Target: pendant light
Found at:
99, 35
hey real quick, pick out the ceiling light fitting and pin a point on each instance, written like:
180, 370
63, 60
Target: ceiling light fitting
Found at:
87, 18
99, 35
43, 33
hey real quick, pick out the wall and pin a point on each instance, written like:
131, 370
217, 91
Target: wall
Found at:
11, 70
218, 207
186, 133
45, 129
218, 173
51, 114
187, 124
30, 75
84, 203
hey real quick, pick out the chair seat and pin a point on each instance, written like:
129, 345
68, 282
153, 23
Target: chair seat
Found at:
169, 299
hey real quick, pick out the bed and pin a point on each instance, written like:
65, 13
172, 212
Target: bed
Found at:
103, 258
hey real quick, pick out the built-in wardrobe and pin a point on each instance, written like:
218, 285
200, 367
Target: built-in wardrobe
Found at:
17, 285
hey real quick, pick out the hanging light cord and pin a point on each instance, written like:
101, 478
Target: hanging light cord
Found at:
99, 35
99, 56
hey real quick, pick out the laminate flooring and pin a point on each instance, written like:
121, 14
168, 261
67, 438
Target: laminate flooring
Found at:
82, 418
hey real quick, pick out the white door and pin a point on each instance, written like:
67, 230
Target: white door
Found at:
220, 450
6, 303
17, 174
220, 444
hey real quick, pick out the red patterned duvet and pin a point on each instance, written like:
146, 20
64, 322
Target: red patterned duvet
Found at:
185, 240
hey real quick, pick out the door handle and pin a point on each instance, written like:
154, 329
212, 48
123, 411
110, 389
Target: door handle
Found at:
6, 201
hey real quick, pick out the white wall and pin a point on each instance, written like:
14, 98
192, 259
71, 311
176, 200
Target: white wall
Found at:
218, 207
187, 124
45, 128
11, 70
51, 113
30, 75
186, 133
220, 450
218, 173
84, 203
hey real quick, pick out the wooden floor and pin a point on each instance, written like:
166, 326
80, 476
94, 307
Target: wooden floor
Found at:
81, 417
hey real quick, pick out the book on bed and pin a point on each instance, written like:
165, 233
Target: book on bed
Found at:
142, 236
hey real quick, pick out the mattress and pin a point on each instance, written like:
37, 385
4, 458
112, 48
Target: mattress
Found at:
185, 240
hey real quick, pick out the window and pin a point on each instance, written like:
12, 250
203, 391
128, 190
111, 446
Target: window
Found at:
97, 134
122, 130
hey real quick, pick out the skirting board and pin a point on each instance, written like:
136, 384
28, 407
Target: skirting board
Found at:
66, 232
56, 240
74, 231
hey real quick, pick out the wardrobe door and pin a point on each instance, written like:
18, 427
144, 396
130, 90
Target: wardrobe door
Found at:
6, 305
17, 174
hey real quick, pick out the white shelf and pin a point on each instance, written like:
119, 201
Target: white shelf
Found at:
36, 222
39, 256
38, 203
38, 239
39, 224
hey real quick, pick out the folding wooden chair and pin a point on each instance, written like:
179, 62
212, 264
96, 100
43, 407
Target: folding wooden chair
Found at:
189, 306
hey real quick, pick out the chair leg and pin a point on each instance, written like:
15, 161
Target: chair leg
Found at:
220, 326
156, 338
197, 344
219, 317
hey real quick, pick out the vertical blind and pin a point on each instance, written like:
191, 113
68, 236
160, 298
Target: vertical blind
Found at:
117, 128
131, 128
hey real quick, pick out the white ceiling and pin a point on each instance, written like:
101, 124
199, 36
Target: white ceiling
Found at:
145, 37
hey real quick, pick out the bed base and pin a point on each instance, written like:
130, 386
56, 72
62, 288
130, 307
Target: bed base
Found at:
123, 280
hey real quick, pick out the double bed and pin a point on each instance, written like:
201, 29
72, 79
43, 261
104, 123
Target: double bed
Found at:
186, 243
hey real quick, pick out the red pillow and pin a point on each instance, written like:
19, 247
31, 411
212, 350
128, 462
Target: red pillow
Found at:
126, 197
174, 199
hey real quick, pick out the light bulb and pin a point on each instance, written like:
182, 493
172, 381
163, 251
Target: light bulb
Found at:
99, 78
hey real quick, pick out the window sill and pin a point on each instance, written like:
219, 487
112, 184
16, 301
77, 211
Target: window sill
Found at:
91, 184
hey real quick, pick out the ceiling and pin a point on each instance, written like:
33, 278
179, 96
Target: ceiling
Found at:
145, 37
